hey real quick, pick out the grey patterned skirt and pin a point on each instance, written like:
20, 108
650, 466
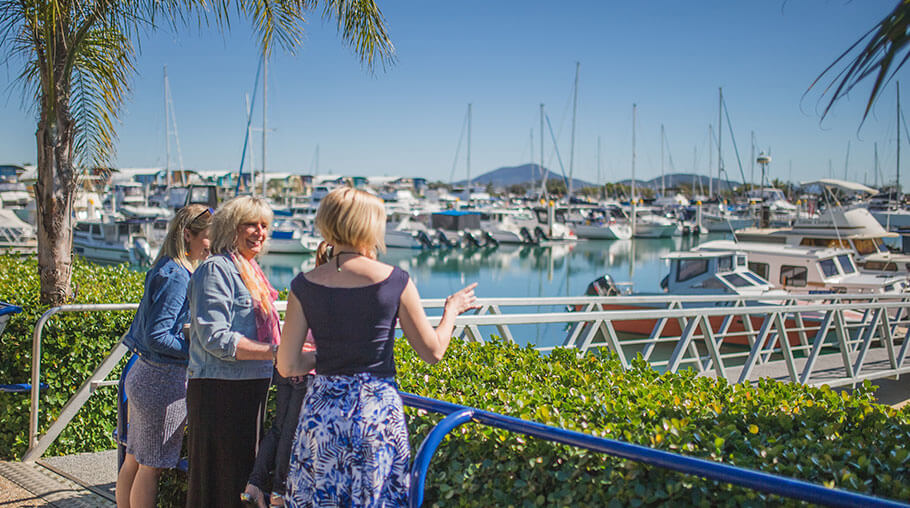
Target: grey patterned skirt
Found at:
156, 393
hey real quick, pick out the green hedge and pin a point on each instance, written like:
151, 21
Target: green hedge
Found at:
815, 434
819, 435
73, 345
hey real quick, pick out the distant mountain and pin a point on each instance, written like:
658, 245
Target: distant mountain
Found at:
516, 175
676, 180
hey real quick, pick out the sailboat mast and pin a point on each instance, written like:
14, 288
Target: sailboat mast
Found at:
720, 134
752, 162
663, 183
847, 161
634, 198
875, 153
469, 151
898, 142
265, 112
543, 173
167, 132
710, 158
249, 135
634, 111
572, 144
599, 183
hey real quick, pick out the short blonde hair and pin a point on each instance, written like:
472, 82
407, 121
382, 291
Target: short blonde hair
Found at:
193, 218
232, 214
352, 217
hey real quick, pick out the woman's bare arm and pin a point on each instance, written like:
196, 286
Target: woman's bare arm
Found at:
431, 344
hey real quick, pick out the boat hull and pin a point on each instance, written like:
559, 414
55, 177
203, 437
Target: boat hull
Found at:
672, 328
603, 232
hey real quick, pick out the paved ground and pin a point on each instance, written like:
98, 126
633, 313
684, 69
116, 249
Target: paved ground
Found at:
25, 484
14, 496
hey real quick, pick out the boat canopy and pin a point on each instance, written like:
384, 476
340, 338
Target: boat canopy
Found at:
815, 186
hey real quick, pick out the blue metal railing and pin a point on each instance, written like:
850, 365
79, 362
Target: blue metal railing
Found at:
7, 310
755, 480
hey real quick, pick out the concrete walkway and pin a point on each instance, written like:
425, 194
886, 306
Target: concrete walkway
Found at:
32, 484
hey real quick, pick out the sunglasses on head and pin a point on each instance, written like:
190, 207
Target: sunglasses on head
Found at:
207, 210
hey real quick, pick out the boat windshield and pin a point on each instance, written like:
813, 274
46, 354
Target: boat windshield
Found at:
866, 246
689, 268
829, 267
736, 280
755, 278
725, 264
846, 263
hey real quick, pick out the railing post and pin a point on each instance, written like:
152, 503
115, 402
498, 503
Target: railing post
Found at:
36, 376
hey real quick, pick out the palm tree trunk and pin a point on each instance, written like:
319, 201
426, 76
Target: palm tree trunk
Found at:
54, 193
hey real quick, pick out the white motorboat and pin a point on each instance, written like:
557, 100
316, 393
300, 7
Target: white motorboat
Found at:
510, 225
291, 236
720, 272
724, 221
16, 236
648, 224
455, 228
600, 223
849, 228
113, 242
405, 232
805, 270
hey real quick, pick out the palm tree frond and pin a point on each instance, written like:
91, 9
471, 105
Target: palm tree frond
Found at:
362, 25
101, 73
883, 45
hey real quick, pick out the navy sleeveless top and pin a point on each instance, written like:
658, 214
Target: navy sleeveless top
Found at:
354, 328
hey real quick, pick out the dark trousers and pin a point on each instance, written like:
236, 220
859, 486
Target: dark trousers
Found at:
224, 420
275, 448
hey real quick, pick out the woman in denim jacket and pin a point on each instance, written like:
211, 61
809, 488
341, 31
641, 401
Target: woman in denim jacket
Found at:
233, 337
156, 384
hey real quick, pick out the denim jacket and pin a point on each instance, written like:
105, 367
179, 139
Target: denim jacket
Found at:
221, 311
156, 333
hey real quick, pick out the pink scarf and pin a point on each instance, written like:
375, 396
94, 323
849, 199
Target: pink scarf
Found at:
264, 295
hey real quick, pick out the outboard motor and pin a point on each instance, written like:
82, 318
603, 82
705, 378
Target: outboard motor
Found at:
424, 239
526, 236
470, 240
540, 235
489, 241
603, 286
443, 240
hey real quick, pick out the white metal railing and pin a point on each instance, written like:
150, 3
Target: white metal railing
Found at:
813, 339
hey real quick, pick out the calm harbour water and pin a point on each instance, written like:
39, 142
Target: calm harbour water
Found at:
518, 271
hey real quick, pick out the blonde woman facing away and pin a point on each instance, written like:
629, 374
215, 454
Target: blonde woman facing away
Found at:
351, 447
156, 384
233, 339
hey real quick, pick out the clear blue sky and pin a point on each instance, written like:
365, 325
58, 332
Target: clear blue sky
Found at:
506, 57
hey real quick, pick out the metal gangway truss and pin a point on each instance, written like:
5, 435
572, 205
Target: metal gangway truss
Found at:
833, 339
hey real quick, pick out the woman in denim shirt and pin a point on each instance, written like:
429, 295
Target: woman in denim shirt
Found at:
156, 384
233, 337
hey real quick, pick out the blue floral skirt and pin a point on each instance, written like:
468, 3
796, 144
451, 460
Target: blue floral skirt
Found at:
351, 447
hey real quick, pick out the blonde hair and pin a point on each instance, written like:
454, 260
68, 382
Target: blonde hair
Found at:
193, 218
232, 214
352, 217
